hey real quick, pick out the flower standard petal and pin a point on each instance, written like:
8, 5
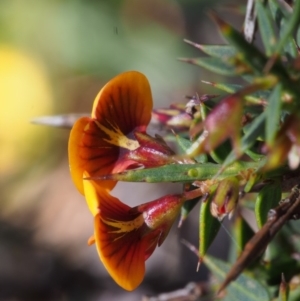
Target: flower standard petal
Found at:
97, 144
125, 100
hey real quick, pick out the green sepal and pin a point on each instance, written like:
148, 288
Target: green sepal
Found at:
267, 198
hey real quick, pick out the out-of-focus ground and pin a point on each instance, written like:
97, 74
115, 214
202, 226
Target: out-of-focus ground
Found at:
54, 58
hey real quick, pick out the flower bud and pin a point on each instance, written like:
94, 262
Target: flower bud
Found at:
225, 199
152, 152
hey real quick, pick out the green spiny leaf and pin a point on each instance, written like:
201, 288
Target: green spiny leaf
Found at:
273, 112
294, 294
186, 208
254, 131
298, 36
229, 88
266, 27
289, 27
267, 199
178, 173
248, 53
212, 64
253, 155
242, 232
291, 49
282, 17
284, 290
279, 11
208, 228
243, 288
185, 144
254, 98
222, 52
220, 153
257, 61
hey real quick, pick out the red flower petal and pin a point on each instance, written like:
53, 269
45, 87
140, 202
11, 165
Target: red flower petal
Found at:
125, 237
97, 144
123, 256
119, 237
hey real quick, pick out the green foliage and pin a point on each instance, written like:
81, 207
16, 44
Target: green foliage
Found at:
245, 288
260, 120
267, 199
244, 143
208, 228
266, 134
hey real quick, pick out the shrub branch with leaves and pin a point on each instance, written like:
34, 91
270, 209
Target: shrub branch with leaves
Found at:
241, 149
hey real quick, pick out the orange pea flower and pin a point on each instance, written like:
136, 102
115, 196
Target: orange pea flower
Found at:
125, 237
114, 137
225, 198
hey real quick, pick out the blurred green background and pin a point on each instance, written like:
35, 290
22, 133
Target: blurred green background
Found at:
54, 58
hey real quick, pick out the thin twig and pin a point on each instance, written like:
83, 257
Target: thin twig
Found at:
289, 208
